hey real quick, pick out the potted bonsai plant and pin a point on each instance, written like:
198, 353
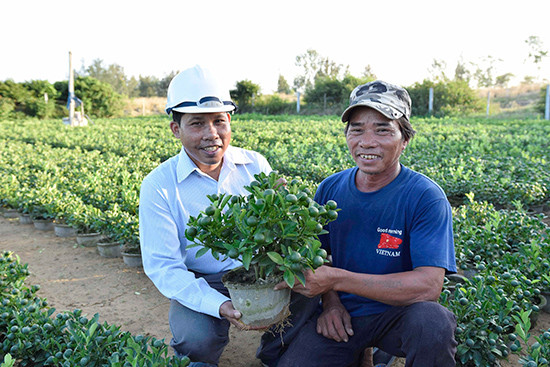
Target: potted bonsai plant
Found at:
131, 251
274, 232
88, 222
122, 233
42, 216
62, 228
25, 207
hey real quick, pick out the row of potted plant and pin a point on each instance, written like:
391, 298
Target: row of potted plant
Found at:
53, 193
101, 176
89, 167
498, 164
510, 275
33, 334
109, 244
504, 257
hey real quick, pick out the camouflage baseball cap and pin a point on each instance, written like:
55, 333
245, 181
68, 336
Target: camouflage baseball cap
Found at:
390, 100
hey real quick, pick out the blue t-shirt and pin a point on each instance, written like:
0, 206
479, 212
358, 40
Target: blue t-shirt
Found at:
404, 225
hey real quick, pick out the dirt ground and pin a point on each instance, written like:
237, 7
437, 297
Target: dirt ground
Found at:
72, 276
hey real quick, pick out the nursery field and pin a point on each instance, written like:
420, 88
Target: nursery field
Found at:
496, 174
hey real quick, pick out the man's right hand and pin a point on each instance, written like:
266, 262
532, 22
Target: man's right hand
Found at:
234, 317
335, 321
227, 311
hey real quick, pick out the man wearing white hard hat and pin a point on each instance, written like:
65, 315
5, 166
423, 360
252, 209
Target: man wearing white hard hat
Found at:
200, 310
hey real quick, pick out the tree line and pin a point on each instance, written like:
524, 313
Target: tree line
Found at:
324, 87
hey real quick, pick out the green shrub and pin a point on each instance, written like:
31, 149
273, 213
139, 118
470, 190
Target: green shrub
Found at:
274, 228
451, 98
27, 99
7, 105
328, 90
274, 105
99, 99
245, 94
32, 335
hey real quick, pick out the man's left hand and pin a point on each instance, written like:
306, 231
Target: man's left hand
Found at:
317, 282
335, 321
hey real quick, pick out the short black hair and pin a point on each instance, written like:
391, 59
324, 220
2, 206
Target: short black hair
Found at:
176, 116
406, 128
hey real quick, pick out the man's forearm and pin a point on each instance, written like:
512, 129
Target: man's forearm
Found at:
398, 289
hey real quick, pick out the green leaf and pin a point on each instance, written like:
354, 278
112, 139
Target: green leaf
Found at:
201, 252
520, 331
225, 200
247, 258
8, 361
265, 261
294, 208
289, 278
92, 329
275, 257
478, 358
301, 278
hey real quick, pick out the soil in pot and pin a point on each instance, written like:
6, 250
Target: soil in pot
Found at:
260, 305
64, 230
109, 249
89, 239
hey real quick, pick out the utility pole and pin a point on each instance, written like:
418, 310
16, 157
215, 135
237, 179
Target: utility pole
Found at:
71, 90
488, 103
431, 102
547, 108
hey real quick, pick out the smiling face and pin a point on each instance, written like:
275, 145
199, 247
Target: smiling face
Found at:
375, 143
205, 137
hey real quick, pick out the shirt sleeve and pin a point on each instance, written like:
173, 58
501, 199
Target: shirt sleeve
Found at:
431, 238
164, 256
263, 164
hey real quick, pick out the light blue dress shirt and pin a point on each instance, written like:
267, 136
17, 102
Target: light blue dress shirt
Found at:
170, 194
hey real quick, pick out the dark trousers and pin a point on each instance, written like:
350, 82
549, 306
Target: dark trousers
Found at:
199, 336
423, 333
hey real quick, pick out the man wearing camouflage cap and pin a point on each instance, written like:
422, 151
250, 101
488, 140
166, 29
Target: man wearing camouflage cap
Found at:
391, 247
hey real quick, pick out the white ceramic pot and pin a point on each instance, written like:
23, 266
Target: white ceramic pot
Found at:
260, 305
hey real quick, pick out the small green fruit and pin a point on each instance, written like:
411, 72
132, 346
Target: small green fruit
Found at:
318, 261
210, 210
331, 205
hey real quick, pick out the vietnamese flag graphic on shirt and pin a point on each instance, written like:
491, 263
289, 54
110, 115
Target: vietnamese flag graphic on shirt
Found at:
387, 241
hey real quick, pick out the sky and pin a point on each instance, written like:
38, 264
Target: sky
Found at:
259, 40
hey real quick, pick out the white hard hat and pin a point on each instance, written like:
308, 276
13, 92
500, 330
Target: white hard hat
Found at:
195, 90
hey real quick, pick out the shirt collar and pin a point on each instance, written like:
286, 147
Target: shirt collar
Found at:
231, 159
